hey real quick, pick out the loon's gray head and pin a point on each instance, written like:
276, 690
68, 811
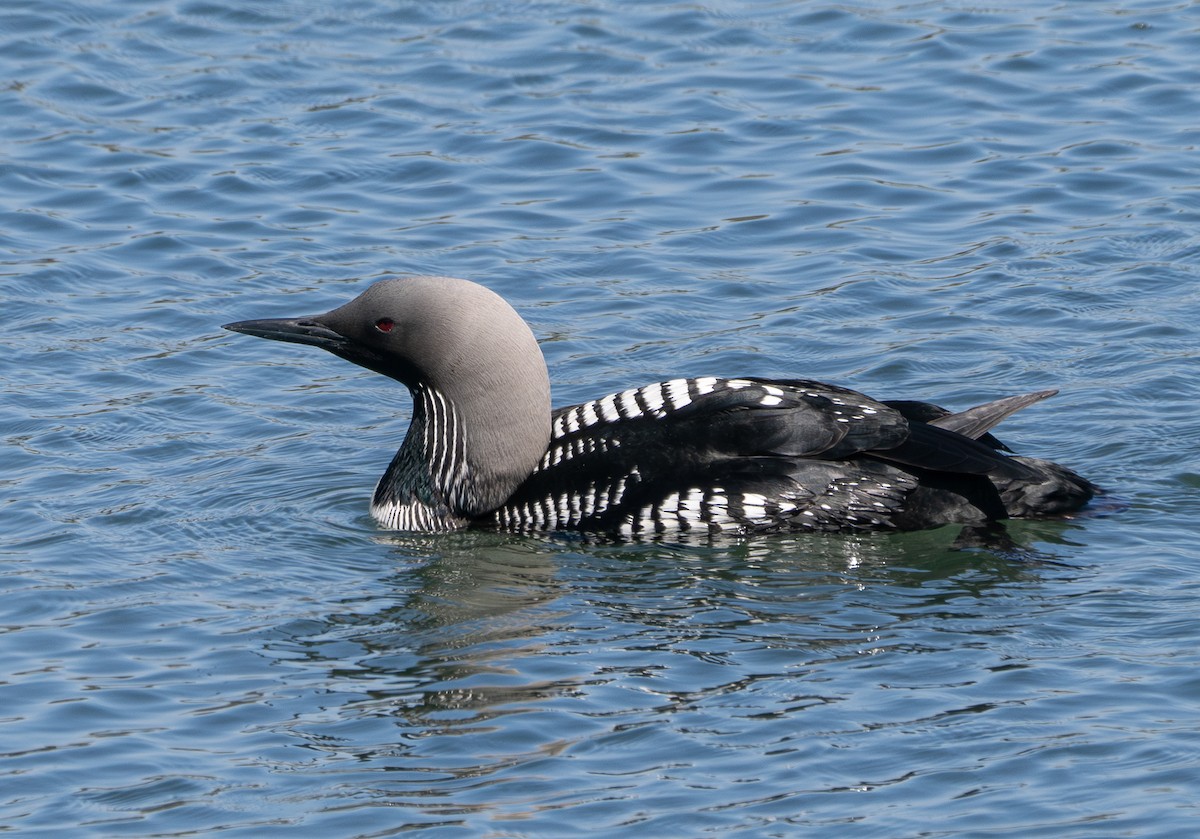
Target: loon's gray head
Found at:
461, 342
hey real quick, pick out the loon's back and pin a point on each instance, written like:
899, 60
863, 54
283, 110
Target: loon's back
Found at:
752, 455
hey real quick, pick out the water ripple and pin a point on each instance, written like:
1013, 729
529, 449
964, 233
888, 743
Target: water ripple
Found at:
202, 629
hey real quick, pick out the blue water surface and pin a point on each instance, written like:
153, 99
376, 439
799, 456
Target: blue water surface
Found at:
202, 632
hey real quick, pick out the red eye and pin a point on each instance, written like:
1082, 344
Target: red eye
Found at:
385, 324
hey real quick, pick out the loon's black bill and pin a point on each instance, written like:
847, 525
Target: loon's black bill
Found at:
293, 330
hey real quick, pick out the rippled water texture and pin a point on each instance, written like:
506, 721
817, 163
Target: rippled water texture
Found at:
203, 633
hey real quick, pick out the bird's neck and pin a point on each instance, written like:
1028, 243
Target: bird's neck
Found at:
458, 461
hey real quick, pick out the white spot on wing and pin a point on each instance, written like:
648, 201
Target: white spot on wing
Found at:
588, 411
629, 405
608, 408
652, 395
677, 392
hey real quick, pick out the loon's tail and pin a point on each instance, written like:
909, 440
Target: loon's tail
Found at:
978, 421
1042, 488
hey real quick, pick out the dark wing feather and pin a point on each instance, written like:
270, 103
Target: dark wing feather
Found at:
800, 418
938, 450
755, 454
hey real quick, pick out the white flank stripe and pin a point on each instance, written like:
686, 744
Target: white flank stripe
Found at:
600, 499
754, 505
718, 512
572, 418
670, 504
617, 492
